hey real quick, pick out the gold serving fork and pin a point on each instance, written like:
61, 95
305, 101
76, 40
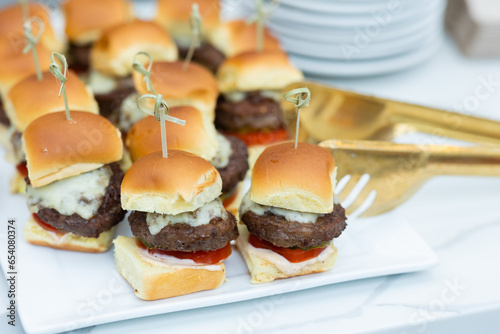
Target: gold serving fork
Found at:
335, 113
397, 171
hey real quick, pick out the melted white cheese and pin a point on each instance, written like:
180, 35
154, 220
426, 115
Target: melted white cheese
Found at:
156, 221
175, 263
302, 217
81, 194
100, 83
238, 96
224, 152
130, 112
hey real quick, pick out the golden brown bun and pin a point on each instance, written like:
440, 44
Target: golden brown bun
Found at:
87, 19
57, 148
180, 183
263, 271
11, 25
253, 70
195, 86
174, 15
197, 136
30, 98
151, 282
37, 235
114, 52
15, 65
299, 179
235, 37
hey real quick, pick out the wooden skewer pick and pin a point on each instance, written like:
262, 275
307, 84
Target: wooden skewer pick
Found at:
146, 72
260, 17
60, 75
32, 41
195, 22
300, 97
25, 8
160, 112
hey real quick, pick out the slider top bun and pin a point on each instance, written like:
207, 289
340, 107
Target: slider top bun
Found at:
180, 183
254, 70
57, 148
87, 19
196, 136
234, 37
12, 21
29, 98
16, 65
174, 15
114, 52
300, 179
173, 82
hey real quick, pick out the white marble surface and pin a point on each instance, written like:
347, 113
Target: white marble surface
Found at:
458, 216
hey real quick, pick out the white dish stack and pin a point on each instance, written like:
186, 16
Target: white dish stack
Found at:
353, 38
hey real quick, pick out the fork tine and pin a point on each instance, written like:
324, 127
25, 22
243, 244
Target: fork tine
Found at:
341, 184
364, 206
349, 200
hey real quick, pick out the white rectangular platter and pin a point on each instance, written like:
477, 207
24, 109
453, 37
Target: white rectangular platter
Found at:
61, 291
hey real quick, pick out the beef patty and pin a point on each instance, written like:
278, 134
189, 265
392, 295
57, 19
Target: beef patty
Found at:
206, 55
237, 166
254, 112
79, 57
3, 115
283, 233
109, 103
108, 215
183, 237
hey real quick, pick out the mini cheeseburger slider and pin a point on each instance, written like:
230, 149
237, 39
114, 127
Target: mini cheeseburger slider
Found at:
86, 20
238, 36
249, 105
227, 154
73, 189
289, 216
175, 16
112, 57
182, 231
31, 98
12, 20
15, 66
191, 86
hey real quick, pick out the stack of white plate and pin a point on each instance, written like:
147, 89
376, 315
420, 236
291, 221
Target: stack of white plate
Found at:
352, 38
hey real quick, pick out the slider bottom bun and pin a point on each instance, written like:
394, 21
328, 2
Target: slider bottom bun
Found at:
151, 282
37, 235
5, 136
17, 184
234, 206
263, 271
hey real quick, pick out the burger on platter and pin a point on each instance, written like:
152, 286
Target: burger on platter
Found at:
182, 231
175, 17
249, 104
112, 56
73, 183
86, 20
289, 218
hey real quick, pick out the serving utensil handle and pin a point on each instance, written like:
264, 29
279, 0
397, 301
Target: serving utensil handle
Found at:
472, 161
445, 123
